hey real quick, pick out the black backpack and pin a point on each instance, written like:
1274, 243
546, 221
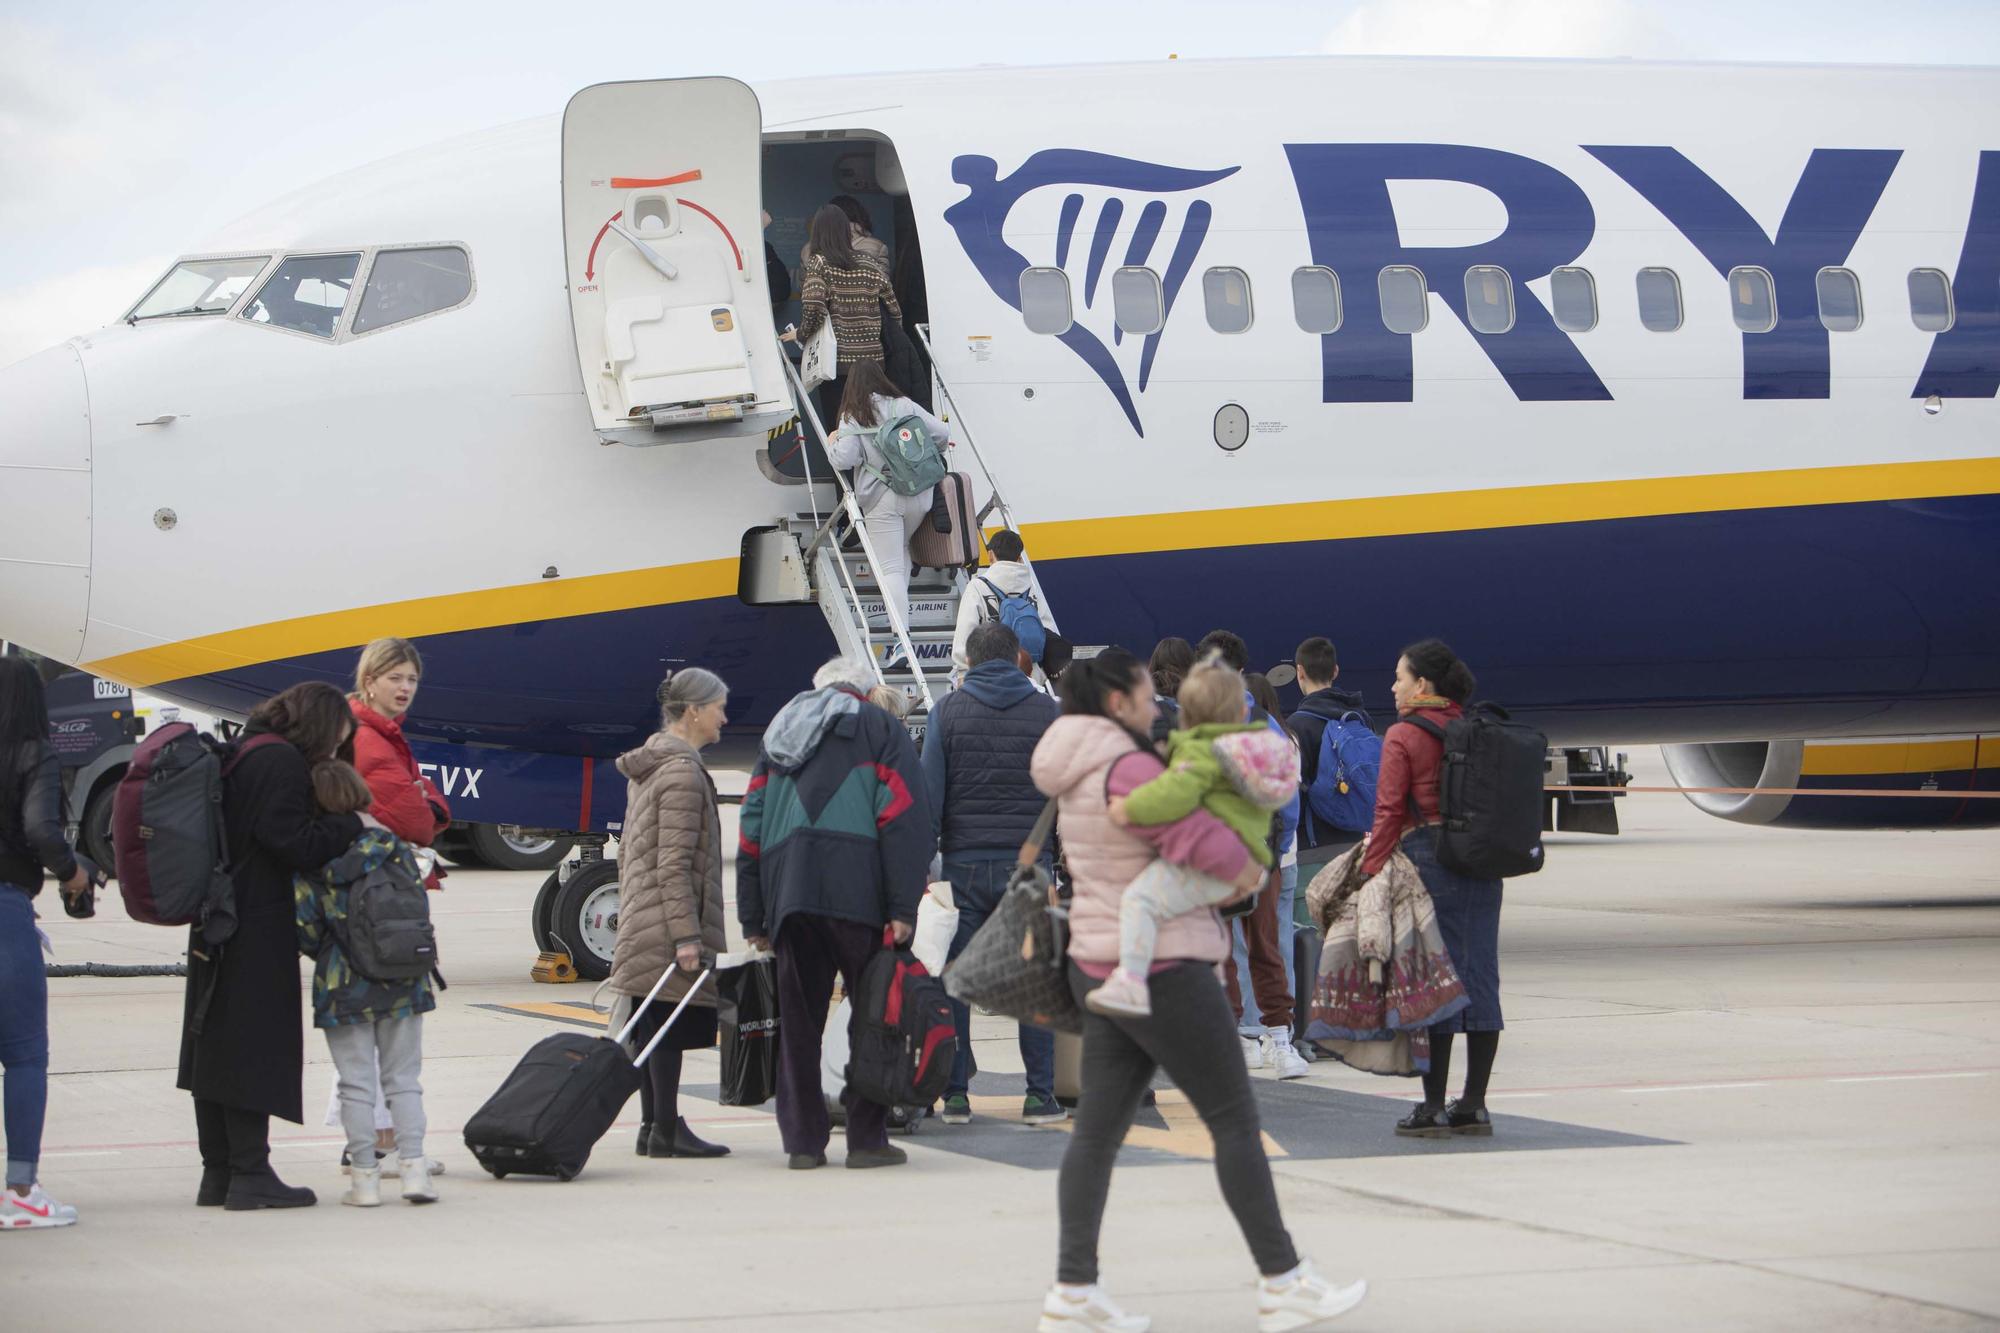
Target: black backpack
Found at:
1489, 793
903, 1040
387, 934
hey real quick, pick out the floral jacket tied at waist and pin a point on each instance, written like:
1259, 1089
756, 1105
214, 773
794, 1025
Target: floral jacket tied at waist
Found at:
1384, 975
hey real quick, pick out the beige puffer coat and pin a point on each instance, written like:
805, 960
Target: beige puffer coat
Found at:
669, 869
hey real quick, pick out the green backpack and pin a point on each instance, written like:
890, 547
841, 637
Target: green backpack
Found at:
911, 460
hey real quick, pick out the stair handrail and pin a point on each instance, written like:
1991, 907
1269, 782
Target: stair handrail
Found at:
851, 504
962, 429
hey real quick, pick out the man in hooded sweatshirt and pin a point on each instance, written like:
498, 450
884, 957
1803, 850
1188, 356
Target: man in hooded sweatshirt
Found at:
981, 603
836, 841
1323, 702
983, 807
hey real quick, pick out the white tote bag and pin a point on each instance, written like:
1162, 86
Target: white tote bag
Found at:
821, 360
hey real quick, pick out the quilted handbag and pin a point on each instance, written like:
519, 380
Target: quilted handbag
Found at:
1016, 965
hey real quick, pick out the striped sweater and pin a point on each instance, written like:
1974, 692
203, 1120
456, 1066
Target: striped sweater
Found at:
851, 296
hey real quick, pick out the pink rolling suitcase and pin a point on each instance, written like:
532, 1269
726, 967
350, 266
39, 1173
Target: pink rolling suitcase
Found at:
958, 548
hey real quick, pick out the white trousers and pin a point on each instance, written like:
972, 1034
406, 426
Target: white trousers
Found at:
891, 524
1162, 892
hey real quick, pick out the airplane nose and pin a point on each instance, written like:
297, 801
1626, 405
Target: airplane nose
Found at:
45, 479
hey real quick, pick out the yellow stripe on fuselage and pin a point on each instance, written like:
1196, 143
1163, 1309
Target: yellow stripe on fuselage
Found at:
1509, 507
446, 614
1262, 525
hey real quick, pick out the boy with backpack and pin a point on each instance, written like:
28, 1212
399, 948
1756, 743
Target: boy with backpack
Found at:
364, 919
1340, 757
1003, 591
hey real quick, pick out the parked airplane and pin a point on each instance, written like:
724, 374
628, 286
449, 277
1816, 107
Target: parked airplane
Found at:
1665, 392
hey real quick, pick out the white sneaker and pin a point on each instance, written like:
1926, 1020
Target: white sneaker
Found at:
1253, 1051
1279, 1055
1303, 1298
364, 1187
417, 1187
392, 1165
19, 1212
1122, 994
1086, 1310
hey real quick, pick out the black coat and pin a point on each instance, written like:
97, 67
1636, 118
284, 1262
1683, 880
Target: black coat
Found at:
251, 1048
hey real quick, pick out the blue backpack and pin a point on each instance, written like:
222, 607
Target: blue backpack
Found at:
1018, 612
1342, 792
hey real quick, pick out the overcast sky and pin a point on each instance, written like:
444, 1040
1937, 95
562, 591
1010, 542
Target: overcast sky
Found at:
130, 131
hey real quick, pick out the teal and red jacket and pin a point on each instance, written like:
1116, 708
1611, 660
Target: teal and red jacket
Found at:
836, 822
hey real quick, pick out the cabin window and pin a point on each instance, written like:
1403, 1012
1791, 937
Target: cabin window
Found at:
408, 284
305, 294
1406, 306
200, 287
1316, 299
1136, 300
1226, 294
1839, 299
1573, 293
1489, 299
1753, 300
1045, 300
1930, 300
1659, 299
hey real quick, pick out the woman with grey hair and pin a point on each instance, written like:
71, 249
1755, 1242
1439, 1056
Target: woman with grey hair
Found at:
670, 897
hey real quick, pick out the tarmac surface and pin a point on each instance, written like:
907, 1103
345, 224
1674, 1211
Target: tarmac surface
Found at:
1748, 1082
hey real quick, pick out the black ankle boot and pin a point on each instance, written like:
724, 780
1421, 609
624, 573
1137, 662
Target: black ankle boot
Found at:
683, 1143
646, 1138
1469, 1120
262, 1189
214, 1187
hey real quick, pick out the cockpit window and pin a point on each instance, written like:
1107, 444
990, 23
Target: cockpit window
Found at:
406, 284
306, 294
199, 287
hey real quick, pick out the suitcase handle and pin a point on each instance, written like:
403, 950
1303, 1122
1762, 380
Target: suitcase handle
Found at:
640, 1008
664, 1027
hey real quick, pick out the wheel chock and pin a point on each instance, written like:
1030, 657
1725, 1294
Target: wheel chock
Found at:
553, 968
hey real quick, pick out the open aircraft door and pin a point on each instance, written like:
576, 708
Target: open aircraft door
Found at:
663, 237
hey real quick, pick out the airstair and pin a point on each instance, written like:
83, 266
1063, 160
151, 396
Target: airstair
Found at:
829, 558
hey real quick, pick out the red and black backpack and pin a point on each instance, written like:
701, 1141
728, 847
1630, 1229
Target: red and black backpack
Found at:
903, 1039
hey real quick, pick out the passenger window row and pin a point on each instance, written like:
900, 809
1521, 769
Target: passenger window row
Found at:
309, 293
1138, 301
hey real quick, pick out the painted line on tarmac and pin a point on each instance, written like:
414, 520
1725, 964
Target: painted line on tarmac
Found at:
1885, 1076
554, 1011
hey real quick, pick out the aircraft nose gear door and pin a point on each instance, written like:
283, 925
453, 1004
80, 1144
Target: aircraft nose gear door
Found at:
662, 232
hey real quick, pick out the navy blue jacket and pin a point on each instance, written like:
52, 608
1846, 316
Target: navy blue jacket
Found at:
1308, 727
976, 754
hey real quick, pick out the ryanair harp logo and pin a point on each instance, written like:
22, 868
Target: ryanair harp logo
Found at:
1070, 181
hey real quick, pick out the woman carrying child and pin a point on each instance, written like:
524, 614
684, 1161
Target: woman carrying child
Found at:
1098, 751
374, 1029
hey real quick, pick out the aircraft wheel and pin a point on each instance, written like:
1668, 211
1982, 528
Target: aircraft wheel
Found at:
544, 914
584, 922
95, 830
507, 847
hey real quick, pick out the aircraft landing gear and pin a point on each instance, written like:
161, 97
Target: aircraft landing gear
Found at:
576, 912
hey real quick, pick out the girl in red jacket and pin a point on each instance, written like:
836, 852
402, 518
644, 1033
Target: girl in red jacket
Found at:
405, 801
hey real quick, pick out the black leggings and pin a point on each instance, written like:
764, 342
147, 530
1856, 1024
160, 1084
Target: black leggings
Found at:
1191, 1035
660, 1090
1480, 1048
232, 1138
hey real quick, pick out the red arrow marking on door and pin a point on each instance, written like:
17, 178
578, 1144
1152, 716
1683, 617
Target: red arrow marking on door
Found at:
733, 247
590, 263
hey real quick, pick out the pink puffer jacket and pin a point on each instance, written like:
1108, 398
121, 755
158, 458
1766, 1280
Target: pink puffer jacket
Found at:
1078, 761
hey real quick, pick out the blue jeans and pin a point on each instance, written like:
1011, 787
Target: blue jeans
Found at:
1288, 893
976, 887
24, 1033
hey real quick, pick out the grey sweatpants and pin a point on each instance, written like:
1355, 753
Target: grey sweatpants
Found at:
1162, 892
395, 1046
1192, 1035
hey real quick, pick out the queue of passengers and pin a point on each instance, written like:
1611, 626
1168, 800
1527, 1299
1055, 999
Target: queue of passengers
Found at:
1152, 842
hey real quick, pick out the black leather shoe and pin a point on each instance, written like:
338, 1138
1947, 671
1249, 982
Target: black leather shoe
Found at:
263, 1189
805, 1161
683, 1143
861, 1159
1468, 1120
646, 1139
1425, 1121
214, 1187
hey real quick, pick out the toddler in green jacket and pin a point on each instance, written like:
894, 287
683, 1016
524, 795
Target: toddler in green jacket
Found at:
1237, 770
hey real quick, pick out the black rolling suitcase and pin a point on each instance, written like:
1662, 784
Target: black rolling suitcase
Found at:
561, 1099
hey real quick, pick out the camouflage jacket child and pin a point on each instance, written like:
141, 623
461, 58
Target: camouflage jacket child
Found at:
340, 994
